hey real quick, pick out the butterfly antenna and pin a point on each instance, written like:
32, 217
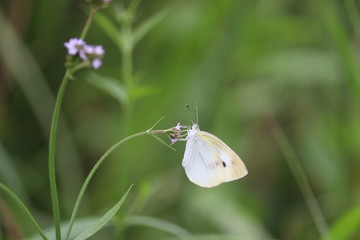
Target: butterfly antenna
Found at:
197, 113
192, 113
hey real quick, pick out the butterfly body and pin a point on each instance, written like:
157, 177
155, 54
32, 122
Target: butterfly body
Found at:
208, 161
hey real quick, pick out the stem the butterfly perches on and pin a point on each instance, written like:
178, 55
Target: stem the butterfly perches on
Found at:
151, 132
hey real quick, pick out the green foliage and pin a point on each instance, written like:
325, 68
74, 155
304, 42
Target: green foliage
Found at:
348, 225
103, 220
24, 209
240, 60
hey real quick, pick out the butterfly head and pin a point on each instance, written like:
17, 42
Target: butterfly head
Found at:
195, 127
192, 131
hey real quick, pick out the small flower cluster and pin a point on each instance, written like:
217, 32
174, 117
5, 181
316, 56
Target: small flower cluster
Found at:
174, 133
88, 53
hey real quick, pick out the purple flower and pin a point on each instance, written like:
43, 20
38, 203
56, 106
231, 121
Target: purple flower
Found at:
74, 45
82, 55
177, 127
91, 54
96, 63
173, 140
99, 50
174, 134
89, 49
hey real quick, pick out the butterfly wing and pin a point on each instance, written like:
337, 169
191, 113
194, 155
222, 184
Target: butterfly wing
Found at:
208, 161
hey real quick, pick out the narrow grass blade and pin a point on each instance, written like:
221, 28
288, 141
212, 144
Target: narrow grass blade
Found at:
152, 127
103, 220
162, 141
9, 175
300, 177
146, 26
24, 208
91, 174
108, 27
109, 85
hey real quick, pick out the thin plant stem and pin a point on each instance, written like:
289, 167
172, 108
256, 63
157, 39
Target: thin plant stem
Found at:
24, 208
342, 43
353, 15
127, 68
126, 54
300, 177
88, 22
93, 170
53, 133
52, 143
127, 47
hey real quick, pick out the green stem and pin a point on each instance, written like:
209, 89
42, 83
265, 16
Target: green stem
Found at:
353, 15
24, 208
347, 55
93, 170
52, 143
88, 22
300, 178
53, 132
126, 52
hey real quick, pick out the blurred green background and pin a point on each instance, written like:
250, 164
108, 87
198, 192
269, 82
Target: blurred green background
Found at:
241, 61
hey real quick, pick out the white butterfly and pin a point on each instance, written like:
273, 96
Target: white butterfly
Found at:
208, 161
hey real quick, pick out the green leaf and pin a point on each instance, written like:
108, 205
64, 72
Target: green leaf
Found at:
8, 173
347, 225
162, 141
91, 174
109, 28
103, 220
24, 208
142, 91
147, 25
109, 85
78, 227
152, 127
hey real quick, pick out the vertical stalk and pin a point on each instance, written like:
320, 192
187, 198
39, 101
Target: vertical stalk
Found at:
24, 209
52, 143
353, 16
127, 76
53, 133
126, 52
93, 170
88, 22
301, 178
127, 67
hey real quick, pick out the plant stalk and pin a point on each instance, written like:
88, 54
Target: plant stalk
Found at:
52, 143
93, 170
301, 178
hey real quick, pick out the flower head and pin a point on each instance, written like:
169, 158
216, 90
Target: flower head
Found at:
90, 54
74, 45
96, 63
175, 133
173, 140
177, 127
